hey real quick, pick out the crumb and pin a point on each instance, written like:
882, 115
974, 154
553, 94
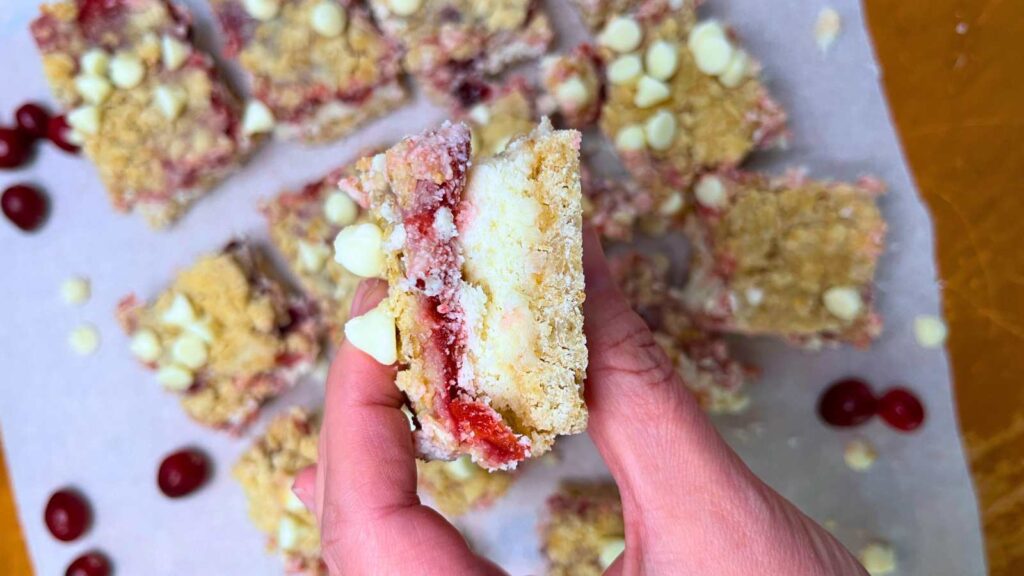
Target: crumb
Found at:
84, 340
878, 558
930, 331
826, 30
860, 455
75, 291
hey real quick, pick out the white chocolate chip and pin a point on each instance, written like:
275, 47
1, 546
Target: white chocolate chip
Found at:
174, 377
202, 328
374, 334
84, 340
287, 533
379, 163
405, 7
444, 224
360, 249
878, 558
93, 89
622, 34
461, 468
650, 92
127, 71
707, 29
94, 62
340, 209
257, 119
85, 119
661, 59
843, 302
672, 205
75, 291
625, 69
712, 54
145, 345
631, 138
611, 549
312, 257
572, 93
180, 313
710, 192
189, 351
660, 130
328, 19
826, 29
754, 296
859, 455
480, 114
292, 503
173, 52
737, 69
930, 331
171, 100
262, 10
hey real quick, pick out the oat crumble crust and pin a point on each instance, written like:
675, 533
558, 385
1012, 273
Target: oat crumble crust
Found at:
147, 161
455, 494
260, 338
786, 241
581, 519
266, 472
493, 123
319, 88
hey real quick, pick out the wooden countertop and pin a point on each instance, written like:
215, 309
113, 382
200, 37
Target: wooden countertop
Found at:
952, 72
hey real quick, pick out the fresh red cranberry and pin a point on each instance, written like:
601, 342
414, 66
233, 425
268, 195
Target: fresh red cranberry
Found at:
15, 148
67, 515
182, 472
25, 206
59, 132
89, 564
848, 402
33, 120
901, 409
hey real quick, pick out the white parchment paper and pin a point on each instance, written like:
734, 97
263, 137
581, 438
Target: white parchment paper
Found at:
102, 424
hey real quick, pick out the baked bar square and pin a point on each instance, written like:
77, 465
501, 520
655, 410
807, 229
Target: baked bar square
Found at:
503, 113
786, 256
320, 67
584, 531
266, 472
149, 109
459, 486
227, 336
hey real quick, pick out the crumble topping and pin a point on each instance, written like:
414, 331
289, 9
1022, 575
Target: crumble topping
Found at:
584, 531
459, 486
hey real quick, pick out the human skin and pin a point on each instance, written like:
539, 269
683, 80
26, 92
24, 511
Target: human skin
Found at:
690, 504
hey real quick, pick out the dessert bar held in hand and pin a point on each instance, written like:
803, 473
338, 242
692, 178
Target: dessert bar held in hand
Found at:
226, 336
266, 472
786, 256
584, 531
451, 46
148, 108
318, 68
459, 486
486, 287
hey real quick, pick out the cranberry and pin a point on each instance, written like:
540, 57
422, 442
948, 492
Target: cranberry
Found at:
59, 132
901, 409
182, 472
14, 148
89, 564
33, 120
470, 91
848, 402
67, 515
25, 206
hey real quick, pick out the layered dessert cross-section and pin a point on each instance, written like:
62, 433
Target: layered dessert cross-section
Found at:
584, 531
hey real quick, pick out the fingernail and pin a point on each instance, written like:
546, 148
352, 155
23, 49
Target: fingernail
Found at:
304, 487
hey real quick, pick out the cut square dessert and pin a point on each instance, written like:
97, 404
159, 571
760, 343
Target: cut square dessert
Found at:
502, 114
227, 336
459, 486
486, 287
597, 13
786, 256
702, 360
682, 100
574, 85
148, 108
584, 531
318, 68
451, 46
266, 472
303, 225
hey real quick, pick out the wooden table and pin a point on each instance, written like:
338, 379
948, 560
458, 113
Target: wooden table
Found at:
953, 73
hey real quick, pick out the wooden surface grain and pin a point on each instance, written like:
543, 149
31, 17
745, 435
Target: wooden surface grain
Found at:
952, 71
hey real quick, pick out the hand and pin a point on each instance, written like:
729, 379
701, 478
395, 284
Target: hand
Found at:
690, 504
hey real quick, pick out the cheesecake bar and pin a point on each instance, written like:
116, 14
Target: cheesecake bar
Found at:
318, 68
584, 531
484, 263
459, 486
574, 85
303, 224
451, 47
227, 336
502, 113
682, 100
148, 108
266, 472
786, 256
702, 359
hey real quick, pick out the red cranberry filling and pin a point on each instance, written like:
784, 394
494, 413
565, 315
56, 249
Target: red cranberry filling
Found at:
25, 206
901, 409
89, 564
67, 515
182, 473
15, 147
32, 119
847, 403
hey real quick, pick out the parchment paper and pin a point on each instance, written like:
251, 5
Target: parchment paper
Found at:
102, 423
